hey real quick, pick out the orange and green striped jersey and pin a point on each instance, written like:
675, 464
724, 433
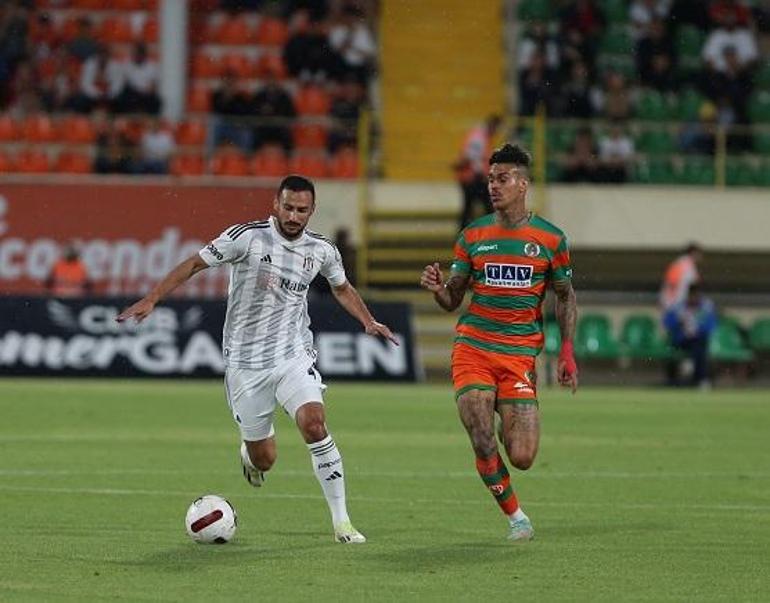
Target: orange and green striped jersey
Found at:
510, 269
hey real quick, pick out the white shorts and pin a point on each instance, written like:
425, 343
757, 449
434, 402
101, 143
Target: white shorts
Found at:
252, 394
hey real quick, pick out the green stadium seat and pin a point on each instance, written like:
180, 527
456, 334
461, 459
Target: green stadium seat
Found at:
553, 171
759, 335
763, 178
689, 42
616, 11
622, 63
727, 345
689, 104
762, 142
552, 343
656, 142
698, 171
741, 172
535, 10
759, 107
653, 106
594, 338
560, 137
616, 41
639, 338
762, 77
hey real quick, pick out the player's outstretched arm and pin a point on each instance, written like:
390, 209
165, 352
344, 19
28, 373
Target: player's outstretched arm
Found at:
449, 295
566, 316
349, 298
172, 280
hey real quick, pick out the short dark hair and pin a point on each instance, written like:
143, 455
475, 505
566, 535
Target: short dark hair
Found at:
297, 184
511, 153
693, 247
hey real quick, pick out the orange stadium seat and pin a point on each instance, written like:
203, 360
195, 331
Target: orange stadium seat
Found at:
239, 64
116, 30
150, 30
77, 129
89, 4
344, 164
69, 28
187, 165
128, 4
312, 100
270, 162
272, 32
6, 164
32, 162
271, 64
229, 162
191, 132
39, 128
8, 129
206, 65
70, 162
311, 165
310, 136
199, 99
234, 31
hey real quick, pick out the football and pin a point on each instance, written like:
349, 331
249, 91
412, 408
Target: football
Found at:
211, 519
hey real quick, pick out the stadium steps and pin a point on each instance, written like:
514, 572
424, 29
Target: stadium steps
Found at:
428, 104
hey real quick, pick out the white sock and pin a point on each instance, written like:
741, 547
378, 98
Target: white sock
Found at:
327, 466
517, 515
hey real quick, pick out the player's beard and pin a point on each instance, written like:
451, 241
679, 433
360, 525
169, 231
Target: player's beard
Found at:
295, 232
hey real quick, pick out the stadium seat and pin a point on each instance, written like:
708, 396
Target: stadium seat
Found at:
69, 28
761, 142
759, 107
689, 103
698, 171
639, 338
199, 99
310, 165
655, 170
150, 30
32, 161
229, 162
115, 30
70, 162
727, 344
312, 100
616, 11
652, 106
39, 128
616, 41
594, 338
128, 4
272, 32
271, 64
77, 129
656, 142
233, 31
239, 64
8, 129
191, 132
270, 162
187, 165
560, 137
89, 4
310, 136
344, 164
6, 164
759, 335
206, 65
534, 10
689, 41
552, 343
741, 171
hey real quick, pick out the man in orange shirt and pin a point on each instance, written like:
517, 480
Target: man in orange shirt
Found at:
679, 275
471, 167
69, 277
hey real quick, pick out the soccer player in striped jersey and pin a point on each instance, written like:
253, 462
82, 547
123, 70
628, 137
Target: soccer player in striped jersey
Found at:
507, 259
267, 343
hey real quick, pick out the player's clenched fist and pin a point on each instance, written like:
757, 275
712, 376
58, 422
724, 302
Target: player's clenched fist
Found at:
431, 278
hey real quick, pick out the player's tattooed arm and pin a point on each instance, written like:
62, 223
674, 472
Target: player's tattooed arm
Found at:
566, 309
449, 295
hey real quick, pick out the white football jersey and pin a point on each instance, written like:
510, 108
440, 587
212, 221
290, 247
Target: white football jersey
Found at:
267, 319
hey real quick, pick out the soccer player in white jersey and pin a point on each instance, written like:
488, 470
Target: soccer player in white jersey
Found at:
267, 343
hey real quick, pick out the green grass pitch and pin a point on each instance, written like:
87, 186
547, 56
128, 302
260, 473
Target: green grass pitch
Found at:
644, 495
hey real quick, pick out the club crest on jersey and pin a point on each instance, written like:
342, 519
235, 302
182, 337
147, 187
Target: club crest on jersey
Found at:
532, 250
307, 264
508, 275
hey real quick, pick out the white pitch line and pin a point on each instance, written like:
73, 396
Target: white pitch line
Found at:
400, 474
390, 501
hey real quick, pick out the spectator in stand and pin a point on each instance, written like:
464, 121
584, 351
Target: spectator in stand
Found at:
350, 38
582, 163
698, 137
156, 148
69, 275
734, 83
44, 37
723, 12
537, 84
576, 49
583, 17
273, 108
655, 56
730, 35
689, 12
345, 110
101, 81
140, 90
615, 101
317, 10
690, 324
307, 53
575, 94
84, 45
616, 155
114, 154
537, 39
643, 13
25, 95
230, 105
57, 86
14, 32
